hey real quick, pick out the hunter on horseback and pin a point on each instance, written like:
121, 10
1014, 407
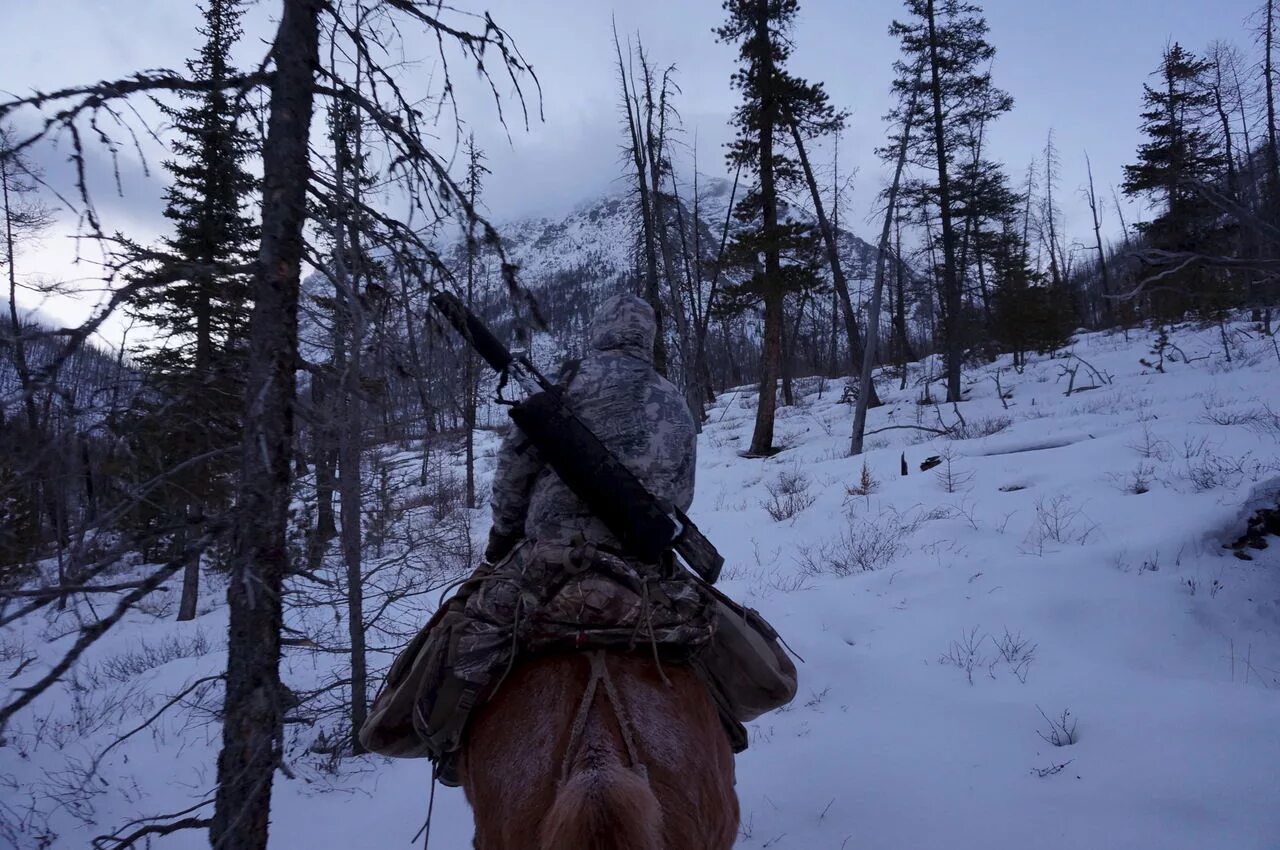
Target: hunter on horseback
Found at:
580, 684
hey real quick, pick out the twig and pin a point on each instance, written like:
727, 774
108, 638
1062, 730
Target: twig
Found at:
940, 431
154, 828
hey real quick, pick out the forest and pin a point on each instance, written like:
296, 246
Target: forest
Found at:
288, 443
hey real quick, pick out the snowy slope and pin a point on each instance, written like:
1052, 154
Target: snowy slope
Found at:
913, 728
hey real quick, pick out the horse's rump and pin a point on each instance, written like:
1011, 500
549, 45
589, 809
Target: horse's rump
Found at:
528, 772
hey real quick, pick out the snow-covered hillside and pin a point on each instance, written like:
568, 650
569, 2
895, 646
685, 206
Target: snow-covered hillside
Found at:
600, 234
1066, 559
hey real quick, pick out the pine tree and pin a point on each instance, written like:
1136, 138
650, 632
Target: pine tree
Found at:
947, 40
190, 416
204, 317
1029, 313
1180, 152
777, 257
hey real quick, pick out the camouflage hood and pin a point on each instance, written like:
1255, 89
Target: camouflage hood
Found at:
636, 413
625, 323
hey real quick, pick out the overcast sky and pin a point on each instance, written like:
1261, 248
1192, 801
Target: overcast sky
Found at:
1076, 66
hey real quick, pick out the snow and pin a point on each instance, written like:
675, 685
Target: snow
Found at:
1164, 647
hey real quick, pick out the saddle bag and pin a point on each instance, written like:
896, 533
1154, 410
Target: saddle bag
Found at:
418, 680
546, 598
745, 663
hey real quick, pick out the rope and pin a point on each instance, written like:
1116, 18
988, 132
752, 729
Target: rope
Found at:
431, 806
515, 644
624, 724
653, 639
579, 722
599, 674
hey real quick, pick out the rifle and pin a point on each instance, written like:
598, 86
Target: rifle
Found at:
646, 525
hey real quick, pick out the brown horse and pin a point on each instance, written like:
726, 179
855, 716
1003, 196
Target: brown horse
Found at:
600, 751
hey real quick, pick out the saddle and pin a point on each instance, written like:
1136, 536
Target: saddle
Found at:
555, 597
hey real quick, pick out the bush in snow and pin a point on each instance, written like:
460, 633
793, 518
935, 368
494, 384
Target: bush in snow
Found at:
1061, 731
1058, 520
866, 544
788, 494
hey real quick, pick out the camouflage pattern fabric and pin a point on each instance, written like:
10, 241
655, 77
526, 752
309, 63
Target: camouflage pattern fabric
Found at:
548, 597
636, 413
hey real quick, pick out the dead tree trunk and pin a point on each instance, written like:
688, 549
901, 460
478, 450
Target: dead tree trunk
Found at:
1269, 84
1102, 251
652, 291
833, 259
419, 371
256, 699
656, 142
882, 255
347, 274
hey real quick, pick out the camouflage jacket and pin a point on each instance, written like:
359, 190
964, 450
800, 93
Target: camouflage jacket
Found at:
637, 413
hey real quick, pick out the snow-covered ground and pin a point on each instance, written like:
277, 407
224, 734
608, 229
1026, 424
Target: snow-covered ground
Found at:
1071, 560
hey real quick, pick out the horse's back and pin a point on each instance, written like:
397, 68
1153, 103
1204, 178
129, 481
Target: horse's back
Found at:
538, 774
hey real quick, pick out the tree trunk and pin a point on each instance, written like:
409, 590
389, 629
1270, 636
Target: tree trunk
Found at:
470, 367
652, 291
419, 370
190, 589
771, 356
900, 317
882, 254
693, 351
322, 436
348, 273
204, 356
256, 699
952, 295
833, 260
19, 345
1269, 83
349, 482
1102, 252
655, 143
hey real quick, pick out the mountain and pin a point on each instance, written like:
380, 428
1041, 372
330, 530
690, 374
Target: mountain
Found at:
597, 239
90, 379
573, 262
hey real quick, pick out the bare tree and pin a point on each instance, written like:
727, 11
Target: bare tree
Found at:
829, 240
1092, 197
1268, 39
1049, 213
873, 316
476, 171
638, 151
255, 697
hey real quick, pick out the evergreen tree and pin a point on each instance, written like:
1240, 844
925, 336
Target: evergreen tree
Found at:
778, 258
1028, 312
196, 372
946, 40
1179, 152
